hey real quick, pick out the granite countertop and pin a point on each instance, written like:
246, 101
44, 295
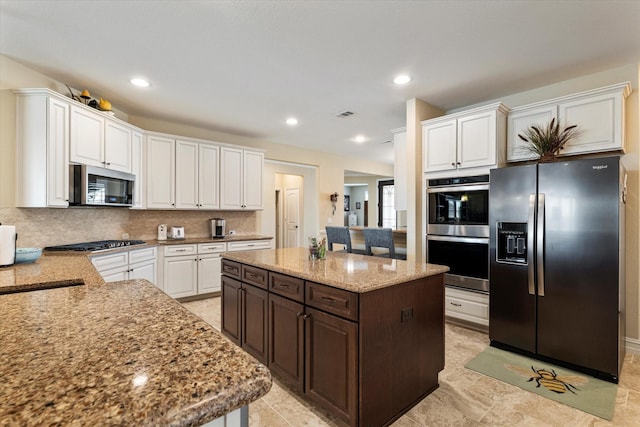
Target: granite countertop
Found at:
355, 273
118, 353
208, 239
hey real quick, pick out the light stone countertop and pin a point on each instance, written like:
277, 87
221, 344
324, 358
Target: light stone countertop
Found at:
119, 353
355, 273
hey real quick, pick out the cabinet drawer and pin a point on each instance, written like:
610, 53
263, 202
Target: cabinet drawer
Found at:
231, 268
212, 248
248, 245
106, 262
255, 276
142, 255
468, 306
332, 300
180, 250
286, 286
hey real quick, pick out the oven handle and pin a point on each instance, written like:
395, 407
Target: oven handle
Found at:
450, 188
457, 239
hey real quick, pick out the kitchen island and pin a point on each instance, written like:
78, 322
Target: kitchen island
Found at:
361, 336
76, 350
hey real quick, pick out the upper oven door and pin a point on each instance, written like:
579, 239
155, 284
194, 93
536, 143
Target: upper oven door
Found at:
461, 210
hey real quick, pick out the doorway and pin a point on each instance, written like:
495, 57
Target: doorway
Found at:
386, 204
289, 211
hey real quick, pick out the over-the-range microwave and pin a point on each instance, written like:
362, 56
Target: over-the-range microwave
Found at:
95, 186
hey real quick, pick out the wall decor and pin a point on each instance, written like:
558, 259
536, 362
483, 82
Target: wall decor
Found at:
347, 203
358, 205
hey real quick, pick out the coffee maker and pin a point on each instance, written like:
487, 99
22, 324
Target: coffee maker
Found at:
217, 227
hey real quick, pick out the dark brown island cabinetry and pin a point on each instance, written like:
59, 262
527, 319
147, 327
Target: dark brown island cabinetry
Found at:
367, 356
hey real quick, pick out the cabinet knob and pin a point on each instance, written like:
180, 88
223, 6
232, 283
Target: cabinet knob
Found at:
453, 164
458, 163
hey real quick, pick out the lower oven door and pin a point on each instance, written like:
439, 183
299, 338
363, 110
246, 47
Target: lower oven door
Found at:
466, 257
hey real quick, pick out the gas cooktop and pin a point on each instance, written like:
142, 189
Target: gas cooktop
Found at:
99, 245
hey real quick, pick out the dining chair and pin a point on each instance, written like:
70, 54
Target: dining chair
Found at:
379, 238
338, 235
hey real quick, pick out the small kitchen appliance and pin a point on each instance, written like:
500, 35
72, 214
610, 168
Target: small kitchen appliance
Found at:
162, 232
8, 239
176, 232
217, 226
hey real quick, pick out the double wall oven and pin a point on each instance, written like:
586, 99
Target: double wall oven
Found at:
458, 230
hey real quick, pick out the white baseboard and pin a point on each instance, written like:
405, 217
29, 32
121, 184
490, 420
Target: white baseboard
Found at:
632, 345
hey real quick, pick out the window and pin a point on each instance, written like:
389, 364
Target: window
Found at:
386, 204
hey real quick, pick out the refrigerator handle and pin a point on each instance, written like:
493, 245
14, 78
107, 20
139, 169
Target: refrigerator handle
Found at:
530, 245
540, 245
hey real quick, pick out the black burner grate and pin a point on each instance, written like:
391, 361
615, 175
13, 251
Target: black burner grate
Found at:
99, 245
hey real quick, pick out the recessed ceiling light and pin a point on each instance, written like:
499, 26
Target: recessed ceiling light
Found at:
140, 82
292, 121
402, 79
360, 138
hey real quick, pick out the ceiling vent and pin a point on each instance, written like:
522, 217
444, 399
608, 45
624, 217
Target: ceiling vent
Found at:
345, 113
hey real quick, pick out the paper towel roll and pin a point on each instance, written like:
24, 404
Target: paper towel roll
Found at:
7, 244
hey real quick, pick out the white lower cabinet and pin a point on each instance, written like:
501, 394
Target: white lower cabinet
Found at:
469, 306
192, 269
134, 264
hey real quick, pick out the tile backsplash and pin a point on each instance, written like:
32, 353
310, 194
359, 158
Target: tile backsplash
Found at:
39, 227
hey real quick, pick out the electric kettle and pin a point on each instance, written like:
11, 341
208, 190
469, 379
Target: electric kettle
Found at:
8, 237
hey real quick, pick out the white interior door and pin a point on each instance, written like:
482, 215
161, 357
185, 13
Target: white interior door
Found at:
292, 217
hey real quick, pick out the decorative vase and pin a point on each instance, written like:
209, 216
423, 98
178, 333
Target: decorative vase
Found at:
317, 248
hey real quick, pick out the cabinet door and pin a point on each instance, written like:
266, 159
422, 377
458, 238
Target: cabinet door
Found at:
117, 146
600, 120
252, 180
286, 340
137, 168
87, 137
143, 270
477, 140
209, 271
180, 276
520, 121
186, 175
230, 178
254, 322
231, 308
331, 363
115, 274
160, 173
208, 170
58, 154
439, 146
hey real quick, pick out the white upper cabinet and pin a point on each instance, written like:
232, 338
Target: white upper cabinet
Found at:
42, 149
208, 176
186, 179
470, 141
118, 140
87, 137
240, 179
160, 175
98, 140
599, 114
137, 168
440, 145
196, 175
187, 175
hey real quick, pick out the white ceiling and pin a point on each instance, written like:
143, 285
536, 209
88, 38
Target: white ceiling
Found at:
243, 67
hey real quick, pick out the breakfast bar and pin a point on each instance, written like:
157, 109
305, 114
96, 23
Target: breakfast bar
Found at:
78, 351
361, 336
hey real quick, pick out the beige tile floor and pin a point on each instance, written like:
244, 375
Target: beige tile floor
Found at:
464, 398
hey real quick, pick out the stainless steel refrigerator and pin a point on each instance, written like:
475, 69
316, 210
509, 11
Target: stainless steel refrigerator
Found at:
557, 262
